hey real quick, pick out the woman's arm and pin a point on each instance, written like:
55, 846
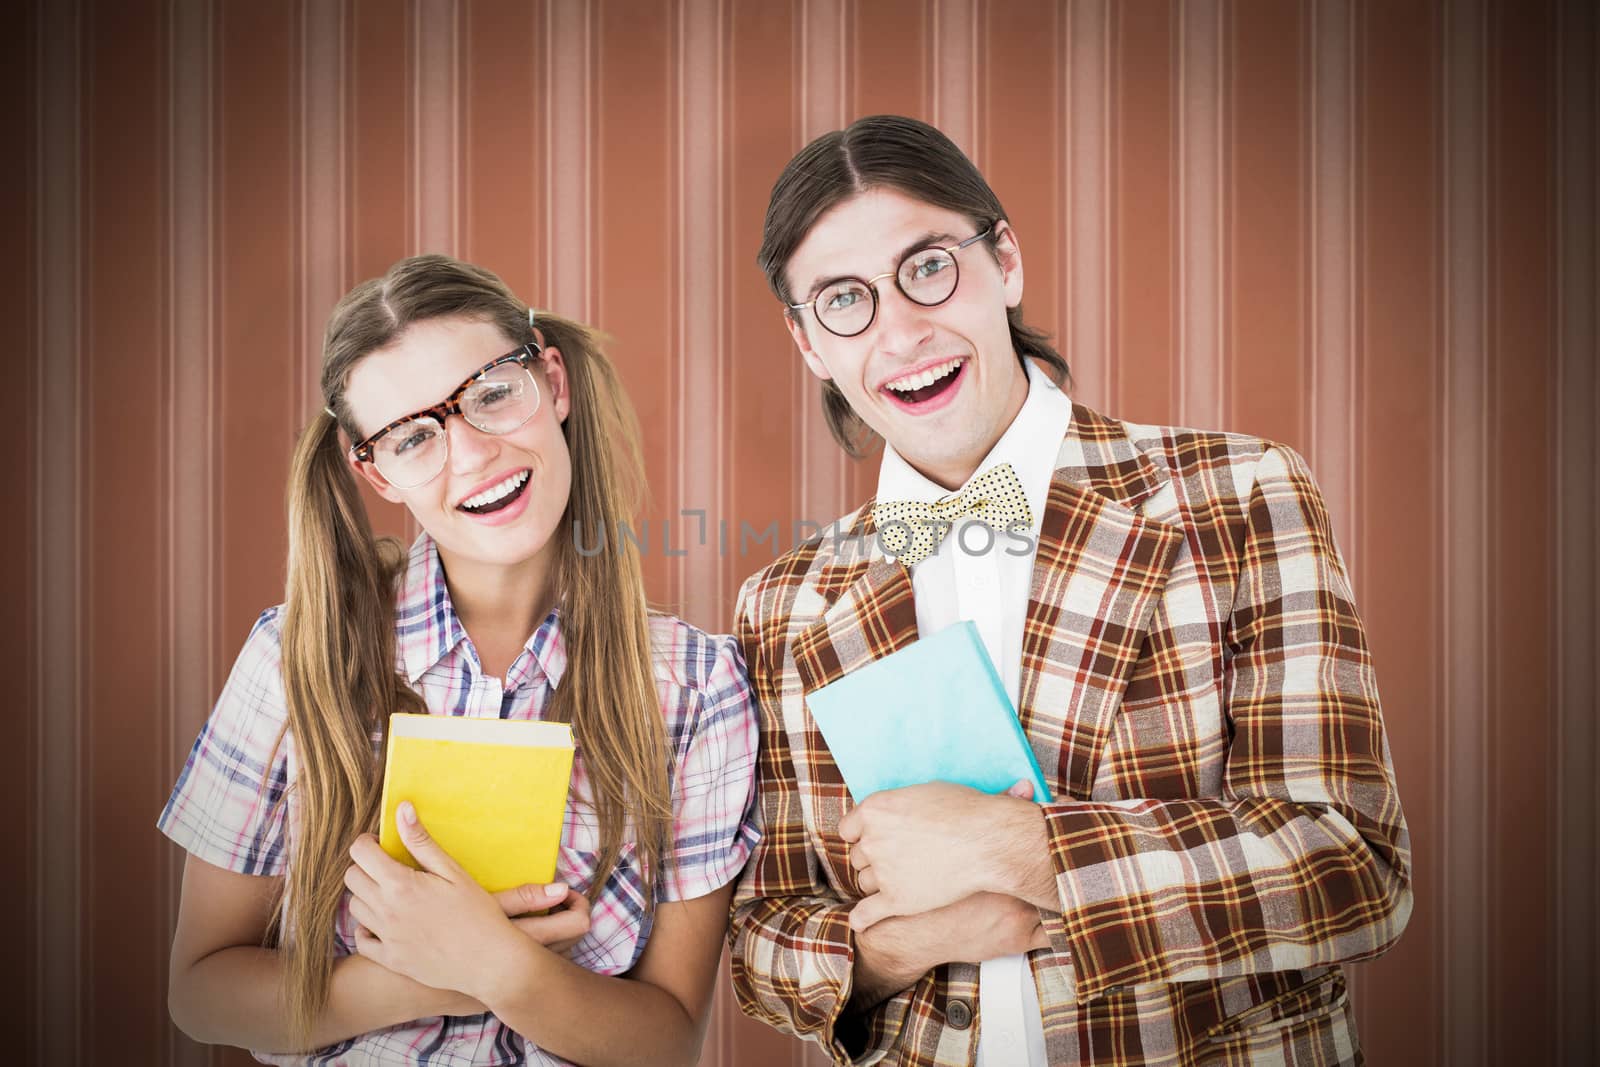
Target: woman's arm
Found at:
439, 926
226, 989
656, 1013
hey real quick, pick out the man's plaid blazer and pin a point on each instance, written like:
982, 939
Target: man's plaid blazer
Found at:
1197, 684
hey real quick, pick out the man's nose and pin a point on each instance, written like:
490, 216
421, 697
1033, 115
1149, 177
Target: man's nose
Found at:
903, 324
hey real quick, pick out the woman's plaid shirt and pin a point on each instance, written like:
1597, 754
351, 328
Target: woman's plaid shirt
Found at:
1196, 682
224, 808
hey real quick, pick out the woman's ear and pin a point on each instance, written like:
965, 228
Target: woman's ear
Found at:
555, 376
372, 476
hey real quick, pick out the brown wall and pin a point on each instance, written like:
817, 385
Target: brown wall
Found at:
1367, 230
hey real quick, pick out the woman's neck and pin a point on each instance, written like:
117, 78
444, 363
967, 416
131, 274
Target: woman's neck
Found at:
499, 606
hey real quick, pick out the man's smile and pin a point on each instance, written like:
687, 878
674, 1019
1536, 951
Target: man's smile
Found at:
927, 388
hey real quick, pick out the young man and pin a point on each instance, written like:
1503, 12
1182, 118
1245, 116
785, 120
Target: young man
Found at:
1175, 629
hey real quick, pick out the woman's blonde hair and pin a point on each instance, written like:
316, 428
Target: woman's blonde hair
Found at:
339, 670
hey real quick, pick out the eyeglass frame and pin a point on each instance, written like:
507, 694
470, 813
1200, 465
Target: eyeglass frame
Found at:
871, 284
522, 356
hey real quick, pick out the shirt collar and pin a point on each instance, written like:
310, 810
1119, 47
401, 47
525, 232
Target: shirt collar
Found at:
427, 629
1030, 444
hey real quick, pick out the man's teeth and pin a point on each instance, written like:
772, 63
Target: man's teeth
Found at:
925, 379
496, 492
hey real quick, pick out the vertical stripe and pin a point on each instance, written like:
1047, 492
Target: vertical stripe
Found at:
434, 141
1145, 208
700, 357
1400, 501
20, 439
436, 144
1466, 518
1577, 584
58, 862
191, 639
1088, 116
324, 266
569, 157
1200, 205
821, 487
1331, 277
956, 44
700, 361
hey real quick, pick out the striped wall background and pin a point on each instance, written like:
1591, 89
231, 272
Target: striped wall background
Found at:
1365, 229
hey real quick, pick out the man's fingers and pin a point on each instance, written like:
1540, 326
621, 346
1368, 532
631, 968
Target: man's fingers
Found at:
1041, 939
850, 825
1023, 789
858, 858
423, 848
533, 896
867, 881
869, 910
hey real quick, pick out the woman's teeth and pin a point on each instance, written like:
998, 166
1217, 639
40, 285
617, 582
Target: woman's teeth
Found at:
496, 492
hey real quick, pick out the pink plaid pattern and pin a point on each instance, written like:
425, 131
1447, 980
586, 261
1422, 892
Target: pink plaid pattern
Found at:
225, 807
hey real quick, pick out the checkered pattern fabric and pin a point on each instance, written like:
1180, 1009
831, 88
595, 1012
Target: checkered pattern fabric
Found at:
1198, 687
225, 807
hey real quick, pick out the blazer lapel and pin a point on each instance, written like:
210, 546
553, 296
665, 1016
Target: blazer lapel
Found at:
869, 612
866, 612
1100, 568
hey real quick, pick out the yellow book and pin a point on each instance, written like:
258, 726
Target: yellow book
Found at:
492, 792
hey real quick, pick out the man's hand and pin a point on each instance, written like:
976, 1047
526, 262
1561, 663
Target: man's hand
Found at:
922, 847
892, 954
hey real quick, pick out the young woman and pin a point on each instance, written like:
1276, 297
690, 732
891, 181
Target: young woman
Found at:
298, 936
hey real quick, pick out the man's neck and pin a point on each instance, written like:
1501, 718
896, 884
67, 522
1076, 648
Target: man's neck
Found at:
953, 475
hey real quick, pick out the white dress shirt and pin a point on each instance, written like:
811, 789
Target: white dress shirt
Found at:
986, 579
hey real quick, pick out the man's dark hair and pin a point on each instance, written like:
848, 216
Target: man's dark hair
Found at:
882, 151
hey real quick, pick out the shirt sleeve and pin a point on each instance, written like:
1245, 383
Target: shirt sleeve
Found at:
227, 807
714, 785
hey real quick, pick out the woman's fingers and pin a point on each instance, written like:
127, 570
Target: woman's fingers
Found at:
567, 923
534, 896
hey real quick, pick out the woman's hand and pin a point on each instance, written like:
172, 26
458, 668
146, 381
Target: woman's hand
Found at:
436, 925
563, 916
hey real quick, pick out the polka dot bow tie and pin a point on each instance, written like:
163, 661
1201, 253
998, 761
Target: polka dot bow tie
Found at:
911, 531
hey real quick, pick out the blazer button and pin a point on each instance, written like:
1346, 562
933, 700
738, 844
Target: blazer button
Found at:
958, 1013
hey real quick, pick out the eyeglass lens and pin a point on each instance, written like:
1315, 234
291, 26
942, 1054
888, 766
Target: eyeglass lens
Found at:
501, 400
848, 306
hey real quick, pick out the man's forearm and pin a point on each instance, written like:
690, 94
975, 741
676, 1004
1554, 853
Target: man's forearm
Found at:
893, 954
882, 967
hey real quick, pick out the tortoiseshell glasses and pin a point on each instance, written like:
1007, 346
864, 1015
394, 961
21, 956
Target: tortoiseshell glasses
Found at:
500, 397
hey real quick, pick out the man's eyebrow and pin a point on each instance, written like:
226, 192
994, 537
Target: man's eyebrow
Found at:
927, 240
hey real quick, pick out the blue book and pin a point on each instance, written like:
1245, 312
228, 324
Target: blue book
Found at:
934, 711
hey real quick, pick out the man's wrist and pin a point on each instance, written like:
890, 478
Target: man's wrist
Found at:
883, 966
1019, 863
